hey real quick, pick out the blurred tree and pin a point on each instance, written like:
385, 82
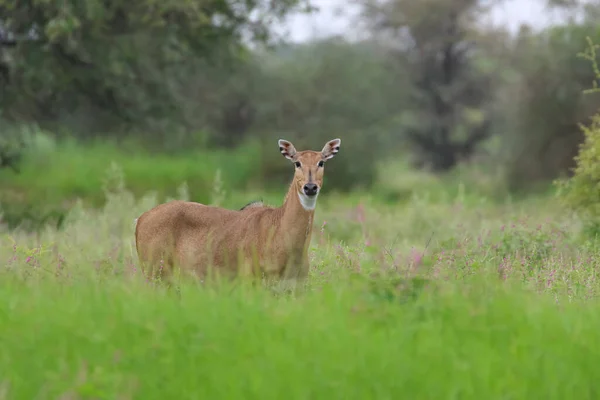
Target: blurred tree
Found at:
448, 116
329, 88
120, 61
544, 106
564, 3
11, 148
10, 157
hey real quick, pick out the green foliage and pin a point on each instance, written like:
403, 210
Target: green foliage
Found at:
329, 84
546, 104
447, 115
327, 89
484, 299
117, 64
177, 76
590, 54
53, 177
581, 192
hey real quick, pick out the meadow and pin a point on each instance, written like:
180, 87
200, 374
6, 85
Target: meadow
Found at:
422, 288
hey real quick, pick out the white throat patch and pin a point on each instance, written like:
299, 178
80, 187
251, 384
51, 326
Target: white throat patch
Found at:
308, 203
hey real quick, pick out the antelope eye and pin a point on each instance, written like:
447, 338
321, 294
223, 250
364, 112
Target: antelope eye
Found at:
321, 163
298, 165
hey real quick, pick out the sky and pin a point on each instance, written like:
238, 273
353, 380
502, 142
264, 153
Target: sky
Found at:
328, 20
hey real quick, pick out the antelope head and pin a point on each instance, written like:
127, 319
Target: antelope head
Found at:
309, 165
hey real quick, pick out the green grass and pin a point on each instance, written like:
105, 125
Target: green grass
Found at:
445, 293
55, 175
465, 341
52, 178
81, 171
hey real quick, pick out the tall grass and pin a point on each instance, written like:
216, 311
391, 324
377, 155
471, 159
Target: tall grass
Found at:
53, 177
445, 296
467, 340
73, 170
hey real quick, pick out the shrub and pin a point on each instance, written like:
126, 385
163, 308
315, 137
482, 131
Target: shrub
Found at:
581, 193
545, 106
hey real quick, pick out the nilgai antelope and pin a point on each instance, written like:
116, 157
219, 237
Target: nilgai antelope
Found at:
269, 241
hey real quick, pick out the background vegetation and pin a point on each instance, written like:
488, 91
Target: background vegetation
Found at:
456, 241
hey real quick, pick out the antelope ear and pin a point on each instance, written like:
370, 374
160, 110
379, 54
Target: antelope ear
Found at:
331, 149
287, 149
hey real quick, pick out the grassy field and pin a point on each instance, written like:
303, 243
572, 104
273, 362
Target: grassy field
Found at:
445, 293
54, 175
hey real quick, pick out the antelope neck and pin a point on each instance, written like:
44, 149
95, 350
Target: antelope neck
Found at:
295, 217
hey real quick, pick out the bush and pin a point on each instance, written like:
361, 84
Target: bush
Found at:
581, 193
545, 106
